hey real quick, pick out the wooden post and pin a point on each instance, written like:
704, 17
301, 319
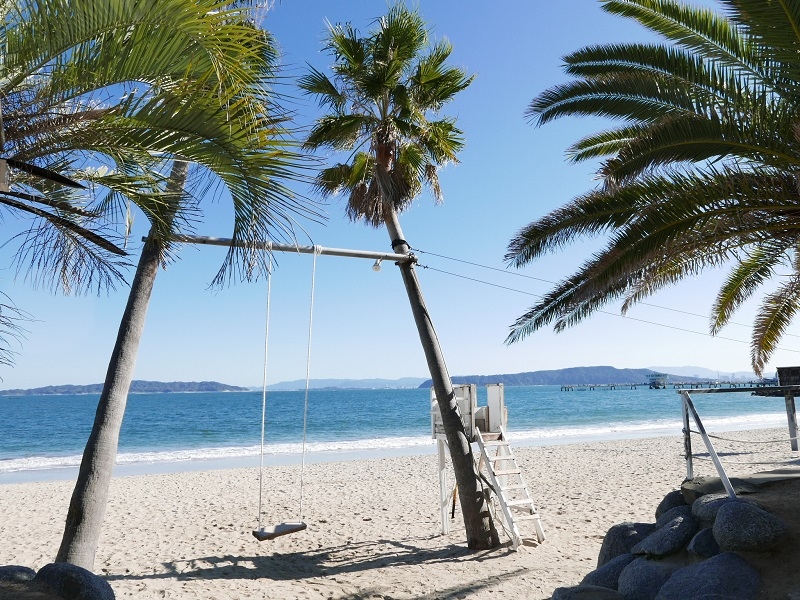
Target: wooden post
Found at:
444, 496
709, 446
791, 415
687, 439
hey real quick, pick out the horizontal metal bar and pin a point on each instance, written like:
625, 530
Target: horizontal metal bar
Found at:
273, 247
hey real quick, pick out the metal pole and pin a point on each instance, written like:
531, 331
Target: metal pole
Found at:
273, 247
707, 441
687, 440
791, 415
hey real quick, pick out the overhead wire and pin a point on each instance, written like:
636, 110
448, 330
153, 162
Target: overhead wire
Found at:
503, 287
515, 274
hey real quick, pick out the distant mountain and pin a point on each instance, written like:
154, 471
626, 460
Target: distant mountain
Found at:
137, 387
315, 384
570, 376
704, 373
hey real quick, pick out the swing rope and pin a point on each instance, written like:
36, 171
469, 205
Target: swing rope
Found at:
308, 377
264, 400
305, 401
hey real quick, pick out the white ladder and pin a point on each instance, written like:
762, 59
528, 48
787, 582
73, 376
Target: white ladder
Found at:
509, 487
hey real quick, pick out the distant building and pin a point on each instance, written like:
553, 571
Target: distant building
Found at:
657, 381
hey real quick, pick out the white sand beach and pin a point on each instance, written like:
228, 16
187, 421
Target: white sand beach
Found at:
373, 526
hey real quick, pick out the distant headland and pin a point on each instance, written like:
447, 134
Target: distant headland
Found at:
137, 387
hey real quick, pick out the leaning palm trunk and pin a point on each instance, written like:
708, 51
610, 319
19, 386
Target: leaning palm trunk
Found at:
88, 504
478, 523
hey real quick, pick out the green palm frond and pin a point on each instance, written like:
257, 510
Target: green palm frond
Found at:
774, 316
702, 170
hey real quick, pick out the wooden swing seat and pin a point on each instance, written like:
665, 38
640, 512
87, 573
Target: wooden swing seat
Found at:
270, 533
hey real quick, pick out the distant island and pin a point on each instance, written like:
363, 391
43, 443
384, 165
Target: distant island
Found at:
137, 387
569, 376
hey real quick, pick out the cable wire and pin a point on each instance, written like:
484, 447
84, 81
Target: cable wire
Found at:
507, 272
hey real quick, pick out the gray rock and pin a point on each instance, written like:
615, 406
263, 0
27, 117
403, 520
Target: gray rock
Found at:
585, 592
679, 511
16, 573
726, 576
74, 583
672, 537
702, 486
742, 526
643, 578
705, 508
670, 501
607, 576
703, 544
621, 538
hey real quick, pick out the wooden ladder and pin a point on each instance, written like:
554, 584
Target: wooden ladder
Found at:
504, 476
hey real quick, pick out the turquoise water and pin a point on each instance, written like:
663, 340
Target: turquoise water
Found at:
49, 432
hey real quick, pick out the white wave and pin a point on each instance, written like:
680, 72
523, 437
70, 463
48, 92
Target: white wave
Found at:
559, 434
35, 463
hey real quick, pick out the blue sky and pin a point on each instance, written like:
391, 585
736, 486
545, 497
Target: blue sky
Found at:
510, 173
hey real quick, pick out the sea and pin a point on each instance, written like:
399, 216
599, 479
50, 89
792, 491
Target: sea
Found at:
42, 437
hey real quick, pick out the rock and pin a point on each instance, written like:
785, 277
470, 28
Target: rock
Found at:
16, 573
621, 538
585, 592
74, 583
643, 578
702, 486
703, 544
725, 576
672, 537
679, 511
670, 501
607, 576
705, 508
743, 526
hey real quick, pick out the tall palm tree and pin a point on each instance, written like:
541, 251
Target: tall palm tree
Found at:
383, 89
701, 172
86, 92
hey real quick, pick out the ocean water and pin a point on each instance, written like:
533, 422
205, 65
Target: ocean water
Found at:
40, 433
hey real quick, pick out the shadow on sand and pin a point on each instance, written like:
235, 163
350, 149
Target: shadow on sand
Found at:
332, 561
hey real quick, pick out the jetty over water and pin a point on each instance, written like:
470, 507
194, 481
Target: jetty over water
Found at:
678, 385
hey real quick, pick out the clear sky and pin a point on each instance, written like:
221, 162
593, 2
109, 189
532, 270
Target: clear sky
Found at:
510, 173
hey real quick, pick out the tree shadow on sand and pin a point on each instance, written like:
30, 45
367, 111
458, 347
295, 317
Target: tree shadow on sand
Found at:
326, 562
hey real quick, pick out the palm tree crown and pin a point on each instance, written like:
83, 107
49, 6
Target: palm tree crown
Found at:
701, 172
380, 95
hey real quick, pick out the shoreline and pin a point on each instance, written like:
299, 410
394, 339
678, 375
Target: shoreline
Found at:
374, 525
152, 463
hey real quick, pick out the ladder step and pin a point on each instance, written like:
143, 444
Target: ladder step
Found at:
495, 443
533, 517
502, 457
523, 502
512, 487
507, 472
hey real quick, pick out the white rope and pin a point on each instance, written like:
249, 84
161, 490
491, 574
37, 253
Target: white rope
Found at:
264, 399
777, 441
308, 378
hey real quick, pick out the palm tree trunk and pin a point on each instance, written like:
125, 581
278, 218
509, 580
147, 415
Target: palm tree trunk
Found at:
480, 529
88, 504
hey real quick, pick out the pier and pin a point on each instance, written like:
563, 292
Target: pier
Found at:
677, 385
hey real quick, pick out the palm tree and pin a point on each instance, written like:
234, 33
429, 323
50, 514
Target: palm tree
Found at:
383, 89
701, 172
86, 92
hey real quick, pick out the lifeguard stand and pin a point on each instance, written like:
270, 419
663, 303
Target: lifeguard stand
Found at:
485, 426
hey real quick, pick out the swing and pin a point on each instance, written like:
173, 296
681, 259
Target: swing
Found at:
270, 532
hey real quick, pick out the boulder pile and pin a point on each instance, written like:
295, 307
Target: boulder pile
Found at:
693, 551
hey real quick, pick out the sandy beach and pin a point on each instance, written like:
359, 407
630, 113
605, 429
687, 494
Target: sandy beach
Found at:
373, 525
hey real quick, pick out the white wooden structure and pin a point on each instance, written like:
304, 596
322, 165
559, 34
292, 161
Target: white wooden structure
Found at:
485, 426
